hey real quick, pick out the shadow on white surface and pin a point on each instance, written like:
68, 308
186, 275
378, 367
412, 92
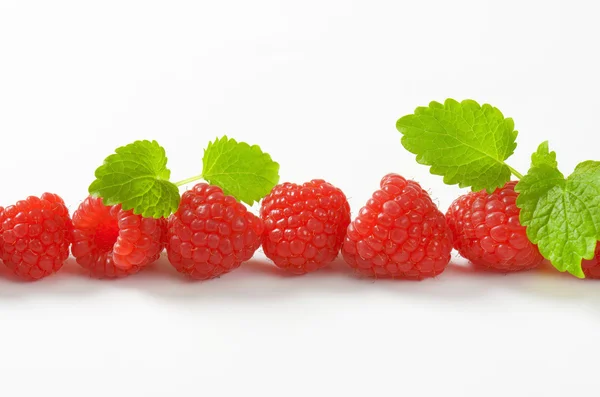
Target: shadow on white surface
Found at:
260, 281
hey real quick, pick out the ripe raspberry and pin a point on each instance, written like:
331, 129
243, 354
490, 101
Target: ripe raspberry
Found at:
305, 225
36, 234
211, 233
400, 233
591, 267
110, 242
488, 232
1, 239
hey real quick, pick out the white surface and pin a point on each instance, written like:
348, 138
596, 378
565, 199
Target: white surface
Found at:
319, 84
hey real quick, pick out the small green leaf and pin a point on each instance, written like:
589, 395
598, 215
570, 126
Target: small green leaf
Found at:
241, 170
542, 177
543, 156
137, 177
562, 216
464, 142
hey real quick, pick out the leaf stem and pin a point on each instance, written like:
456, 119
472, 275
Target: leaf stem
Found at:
188, 180
515, 172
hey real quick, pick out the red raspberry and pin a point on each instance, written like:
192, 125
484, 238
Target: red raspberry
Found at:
305, 225
110, 242
36, 234
488, 232
211, 233
591, 267
400, 233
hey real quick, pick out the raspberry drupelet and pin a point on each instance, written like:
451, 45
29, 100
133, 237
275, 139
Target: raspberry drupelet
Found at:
304, 225
399, 233
487, 231
211, 233
110, 242
35, 236
591, 267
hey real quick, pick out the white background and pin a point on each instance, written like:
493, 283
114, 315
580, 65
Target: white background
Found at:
319, 84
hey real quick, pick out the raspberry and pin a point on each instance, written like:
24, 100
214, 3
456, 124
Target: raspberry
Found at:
399, 233
488, 232
305, 225
591, 267
110, 242
211, 233
36, 234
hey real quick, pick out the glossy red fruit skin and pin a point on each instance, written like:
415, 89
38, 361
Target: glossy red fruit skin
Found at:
211, 233
112, 243
488, 233
36, 234
304, 225
591, 267
399, 233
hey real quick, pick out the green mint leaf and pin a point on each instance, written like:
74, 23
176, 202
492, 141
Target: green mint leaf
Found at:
464, 142
542, 177
543, 156
241, 170
137, 177
562, 216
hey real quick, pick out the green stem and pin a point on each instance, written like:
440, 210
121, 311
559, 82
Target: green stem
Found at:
188, 180
515, 172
